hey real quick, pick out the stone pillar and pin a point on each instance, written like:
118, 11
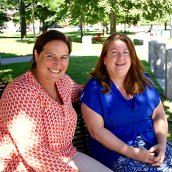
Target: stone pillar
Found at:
159, 60
168, 72
151, 53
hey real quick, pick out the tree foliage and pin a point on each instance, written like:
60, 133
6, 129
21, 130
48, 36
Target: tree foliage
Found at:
82, 12
132, 11
3, 18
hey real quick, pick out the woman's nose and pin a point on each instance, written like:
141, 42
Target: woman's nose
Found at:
57, 62
120, 55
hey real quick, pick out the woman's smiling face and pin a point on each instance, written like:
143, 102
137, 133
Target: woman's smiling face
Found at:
52, 62
117, 60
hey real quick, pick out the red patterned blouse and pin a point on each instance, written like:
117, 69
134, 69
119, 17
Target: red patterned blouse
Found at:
35, 131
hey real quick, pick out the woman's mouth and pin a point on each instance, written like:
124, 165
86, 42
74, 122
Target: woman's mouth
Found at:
120, 64
54, 71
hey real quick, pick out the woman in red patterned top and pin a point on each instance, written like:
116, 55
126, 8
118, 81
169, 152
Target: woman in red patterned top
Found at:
37, 120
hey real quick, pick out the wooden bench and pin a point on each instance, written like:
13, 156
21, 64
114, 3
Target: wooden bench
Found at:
80, 140
81, 135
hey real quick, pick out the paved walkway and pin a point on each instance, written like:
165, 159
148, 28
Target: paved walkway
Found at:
4, 61
86, 52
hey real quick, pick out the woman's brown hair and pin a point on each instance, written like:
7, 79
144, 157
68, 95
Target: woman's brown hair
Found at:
135, 81
46, 37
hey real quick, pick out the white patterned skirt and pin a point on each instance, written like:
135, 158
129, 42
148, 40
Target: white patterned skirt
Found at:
124, 164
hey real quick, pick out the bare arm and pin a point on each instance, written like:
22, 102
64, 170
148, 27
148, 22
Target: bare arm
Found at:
161, 130
95, 125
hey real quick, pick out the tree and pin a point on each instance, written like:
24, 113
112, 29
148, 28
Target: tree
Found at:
3, 18
22, 18
81, 13
43, 14
19, 16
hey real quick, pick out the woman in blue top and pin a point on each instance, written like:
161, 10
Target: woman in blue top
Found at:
123, 112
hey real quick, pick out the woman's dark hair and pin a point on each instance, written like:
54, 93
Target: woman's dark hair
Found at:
46, 37
135, 81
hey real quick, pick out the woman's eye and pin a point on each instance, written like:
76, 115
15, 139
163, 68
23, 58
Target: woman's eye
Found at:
49, 56
114, 52
64, 57
126, 52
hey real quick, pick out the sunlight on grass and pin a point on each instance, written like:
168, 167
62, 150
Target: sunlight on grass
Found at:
6, 70
14, 47
11, 71
168, 103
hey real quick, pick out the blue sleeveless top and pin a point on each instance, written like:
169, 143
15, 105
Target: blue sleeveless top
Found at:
124, 118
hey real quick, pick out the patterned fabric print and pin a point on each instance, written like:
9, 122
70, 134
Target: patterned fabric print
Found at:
125, 164
37, 132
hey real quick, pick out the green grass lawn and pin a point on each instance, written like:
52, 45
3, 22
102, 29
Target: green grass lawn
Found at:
14, 47
11, 44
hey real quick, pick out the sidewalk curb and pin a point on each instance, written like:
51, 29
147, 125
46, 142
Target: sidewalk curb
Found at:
5, 61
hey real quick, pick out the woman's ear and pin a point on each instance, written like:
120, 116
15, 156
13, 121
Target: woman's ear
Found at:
35, 55
104, 60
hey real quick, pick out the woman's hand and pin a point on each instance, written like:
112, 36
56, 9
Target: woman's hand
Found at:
143, 155
159, 151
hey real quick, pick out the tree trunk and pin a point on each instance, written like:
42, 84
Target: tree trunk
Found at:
22, 19
33, 21
165, 25
112, 22
44, 26
81, 29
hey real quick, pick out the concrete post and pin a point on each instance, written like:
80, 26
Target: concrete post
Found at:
168, 74
151, 53
159, 60
170, 27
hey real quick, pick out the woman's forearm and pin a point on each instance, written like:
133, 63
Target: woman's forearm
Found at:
110, 141
161, 129
106, 138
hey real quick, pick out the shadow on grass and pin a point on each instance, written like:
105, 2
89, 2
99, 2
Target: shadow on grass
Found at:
11, 71
6, 55
27, 41
76, 36
11, 55
16, 36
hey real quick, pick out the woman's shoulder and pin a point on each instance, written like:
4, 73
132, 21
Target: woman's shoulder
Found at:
93, 81
93, 84
24, 83
147, 75
24, 80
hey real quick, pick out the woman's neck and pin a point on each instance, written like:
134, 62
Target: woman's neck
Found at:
49, 87
120, 85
